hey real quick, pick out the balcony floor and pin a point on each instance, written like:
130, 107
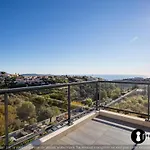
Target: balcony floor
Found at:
102, 131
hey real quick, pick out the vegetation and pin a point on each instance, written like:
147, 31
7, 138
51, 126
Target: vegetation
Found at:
31, 107
75, 104
11, 118
48, 112
137, 104
89, 102
26, 111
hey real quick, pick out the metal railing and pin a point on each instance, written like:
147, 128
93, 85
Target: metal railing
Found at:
98, 105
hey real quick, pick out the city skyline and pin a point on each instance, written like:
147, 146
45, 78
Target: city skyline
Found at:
75, 37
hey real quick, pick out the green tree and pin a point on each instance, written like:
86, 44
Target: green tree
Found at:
103, 94
2, 124
109, 93
115, 93
64, 104
38, 101
11, 118
89, 102
17, 124
49, 102
26, 111
55, 110
58, 96
32, 120
45, 113
48, 112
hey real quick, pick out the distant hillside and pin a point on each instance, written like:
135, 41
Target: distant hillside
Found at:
34, 74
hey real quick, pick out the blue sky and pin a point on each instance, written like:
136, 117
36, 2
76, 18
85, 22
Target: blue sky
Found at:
75, 37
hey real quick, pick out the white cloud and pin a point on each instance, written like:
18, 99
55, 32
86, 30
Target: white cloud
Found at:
134, 39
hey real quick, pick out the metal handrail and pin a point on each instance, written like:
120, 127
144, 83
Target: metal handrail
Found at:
32, 88
123, 110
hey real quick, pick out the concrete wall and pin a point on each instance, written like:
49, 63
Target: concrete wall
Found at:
130, 119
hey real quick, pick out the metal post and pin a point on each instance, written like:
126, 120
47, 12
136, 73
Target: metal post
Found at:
80, 91
69, 105
6, 120
121, 88
97, 96
148, 91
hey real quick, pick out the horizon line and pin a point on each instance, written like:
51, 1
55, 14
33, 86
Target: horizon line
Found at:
80, 74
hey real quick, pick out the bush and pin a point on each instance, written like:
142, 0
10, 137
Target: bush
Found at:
75, 103
26, 111
140, 101
89, 102
58, 96
38, 100
17, 124
11, 118
32, 120
48, 112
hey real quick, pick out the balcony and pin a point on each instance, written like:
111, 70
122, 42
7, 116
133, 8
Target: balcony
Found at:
100, 131
101, 124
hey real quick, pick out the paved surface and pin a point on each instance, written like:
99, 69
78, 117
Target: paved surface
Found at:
103, 131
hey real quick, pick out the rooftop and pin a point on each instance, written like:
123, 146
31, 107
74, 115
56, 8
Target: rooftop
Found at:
98, 131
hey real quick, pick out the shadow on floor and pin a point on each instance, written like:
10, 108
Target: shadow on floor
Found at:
120, 123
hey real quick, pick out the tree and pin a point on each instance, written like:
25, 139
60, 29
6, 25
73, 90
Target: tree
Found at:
17, 124
26, 111
83, 93
55, 110
38, 101
49, 102
48, 112
103, 95
71, 79
115, 93
7, 81
64, 104
59, 96
32, 120
109, 93
11, 118
118, 91
2, 125
45, 113
89, 102
11, 113
46, 97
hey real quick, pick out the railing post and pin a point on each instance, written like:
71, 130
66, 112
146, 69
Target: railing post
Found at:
148, 91
69, 106
97, 96
6, 120
80, 86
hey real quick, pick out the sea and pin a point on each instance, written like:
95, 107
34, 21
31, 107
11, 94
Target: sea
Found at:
116, 77
104, 76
